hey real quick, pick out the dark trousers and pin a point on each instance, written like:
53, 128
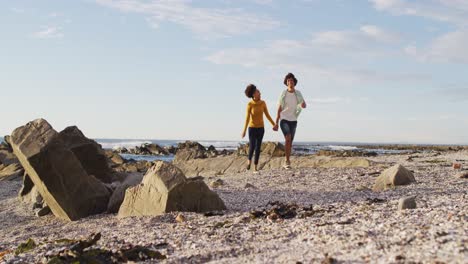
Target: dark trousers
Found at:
255, 142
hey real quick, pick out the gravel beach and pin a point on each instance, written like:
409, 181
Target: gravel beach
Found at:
349, 222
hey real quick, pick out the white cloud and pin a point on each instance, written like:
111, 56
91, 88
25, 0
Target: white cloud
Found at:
449, 47
369, 39
49, 32
206, 22
55, 14
338, 57
17, 10
263, 2
450, 11
379, 34
330, 100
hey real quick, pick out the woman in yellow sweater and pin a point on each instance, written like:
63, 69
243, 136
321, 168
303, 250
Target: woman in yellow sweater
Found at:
254, 120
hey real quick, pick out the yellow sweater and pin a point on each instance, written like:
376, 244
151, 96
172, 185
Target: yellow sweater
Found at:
254, 116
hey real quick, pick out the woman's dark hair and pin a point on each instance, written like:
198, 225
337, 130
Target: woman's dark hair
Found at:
290, 76
250, 90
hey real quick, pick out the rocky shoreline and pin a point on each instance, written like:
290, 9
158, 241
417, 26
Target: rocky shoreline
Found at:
329, 208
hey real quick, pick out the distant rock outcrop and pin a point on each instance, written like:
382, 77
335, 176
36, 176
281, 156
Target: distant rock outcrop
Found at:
189, 150
272, 149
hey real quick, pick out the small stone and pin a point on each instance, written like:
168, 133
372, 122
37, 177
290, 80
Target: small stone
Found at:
180, 218
216, 183
249, 186
456, 166
43, 211
407, 203
462, 175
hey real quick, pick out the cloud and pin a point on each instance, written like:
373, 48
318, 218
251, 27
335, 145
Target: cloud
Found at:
263, 2
330, 100
454, 94
17, 10
205, 22
449, 47
449, 11
49, 33
338, 57
55, 14
379, 34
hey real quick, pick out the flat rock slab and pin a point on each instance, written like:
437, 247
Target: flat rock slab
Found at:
235, 164
11, 172
165, 189
57, 173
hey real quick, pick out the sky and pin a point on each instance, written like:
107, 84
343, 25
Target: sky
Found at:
387, 71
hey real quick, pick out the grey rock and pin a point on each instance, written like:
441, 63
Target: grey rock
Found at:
392, 177
90, 154
216, 183
462, 174
164, 189
43, 211
407, 203
10, 172
118, 195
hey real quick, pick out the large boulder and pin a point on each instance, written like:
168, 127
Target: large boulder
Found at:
189, 150
90, 154
133, 179
164, 189
57, 173
271, 149
392, 177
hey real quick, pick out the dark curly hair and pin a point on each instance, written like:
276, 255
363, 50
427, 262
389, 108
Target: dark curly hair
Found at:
250, 90
289, 76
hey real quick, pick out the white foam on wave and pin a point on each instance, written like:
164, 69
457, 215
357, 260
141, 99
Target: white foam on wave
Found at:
122, 144
333, 147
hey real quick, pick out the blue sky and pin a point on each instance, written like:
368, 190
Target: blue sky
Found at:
371, 71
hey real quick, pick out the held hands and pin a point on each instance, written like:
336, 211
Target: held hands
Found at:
275, 128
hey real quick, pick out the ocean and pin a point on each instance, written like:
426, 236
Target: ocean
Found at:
299, 147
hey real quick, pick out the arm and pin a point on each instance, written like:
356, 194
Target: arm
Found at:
267, 114
278, 114
303, 103
247, 120
275, 127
